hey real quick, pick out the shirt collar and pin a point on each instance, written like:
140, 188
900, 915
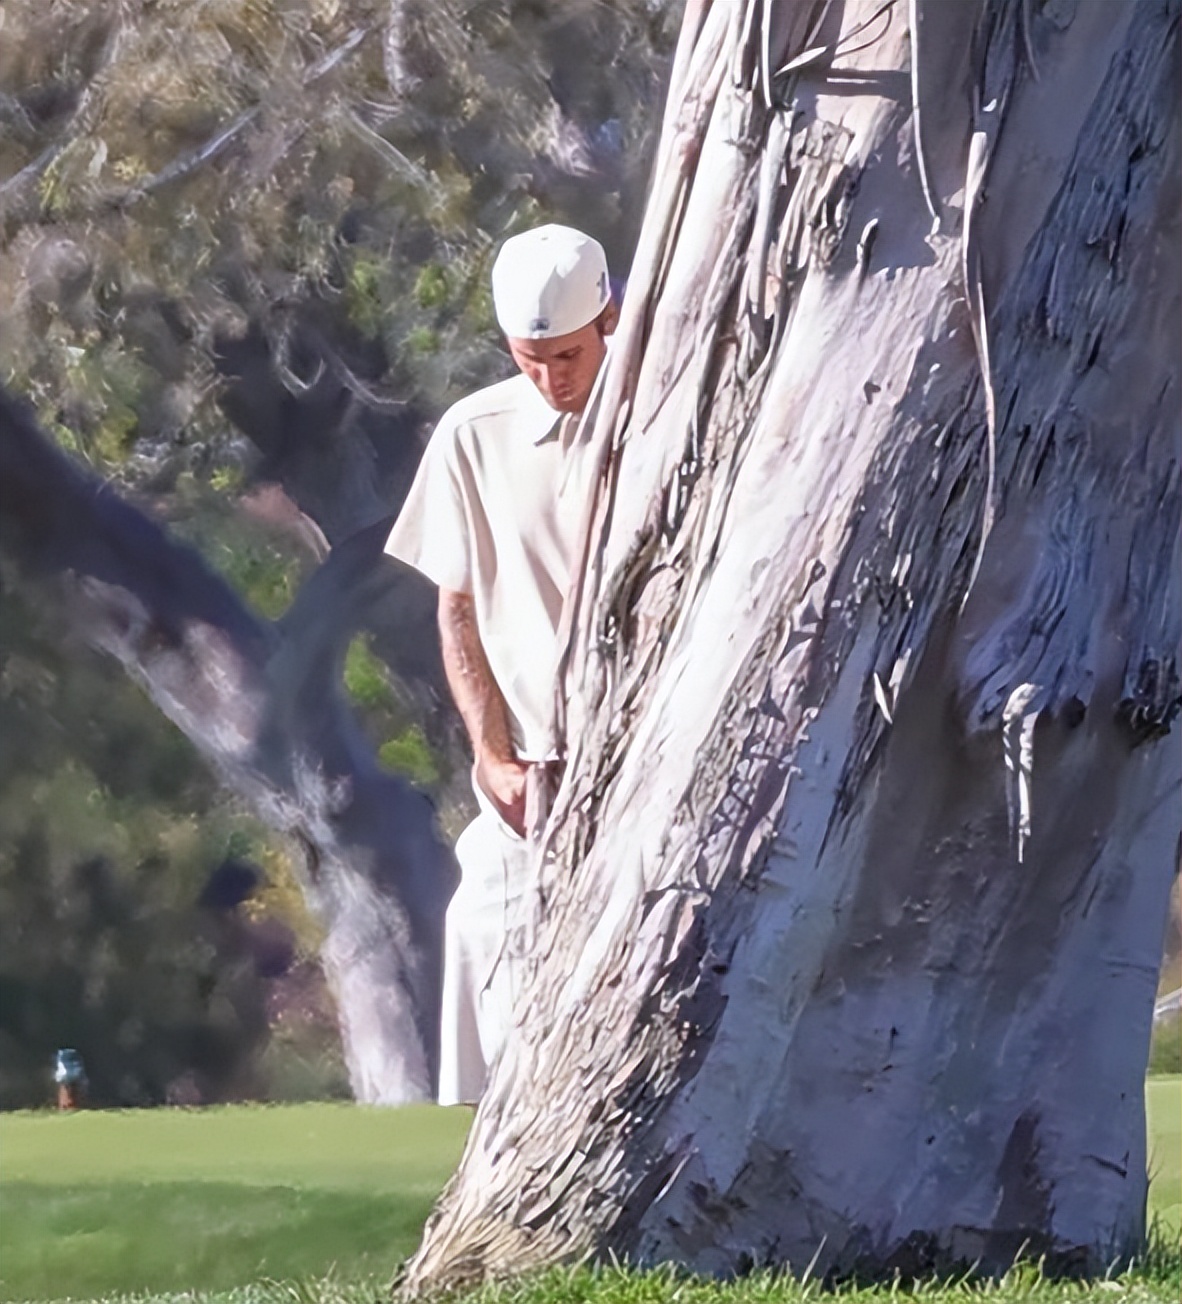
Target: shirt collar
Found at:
534, 417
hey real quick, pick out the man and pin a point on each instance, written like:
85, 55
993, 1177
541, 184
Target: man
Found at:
493, 518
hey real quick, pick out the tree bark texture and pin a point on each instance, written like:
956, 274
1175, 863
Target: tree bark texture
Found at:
262, 702
848, 927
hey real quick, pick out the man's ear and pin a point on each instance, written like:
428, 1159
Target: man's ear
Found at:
609, 318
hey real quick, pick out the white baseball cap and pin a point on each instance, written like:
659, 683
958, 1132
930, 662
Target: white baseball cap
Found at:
549, 281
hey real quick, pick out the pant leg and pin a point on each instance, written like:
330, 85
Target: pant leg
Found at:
482, 960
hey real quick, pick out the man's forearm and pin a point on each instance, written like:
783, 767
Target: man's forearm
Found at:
479, 700
499, 774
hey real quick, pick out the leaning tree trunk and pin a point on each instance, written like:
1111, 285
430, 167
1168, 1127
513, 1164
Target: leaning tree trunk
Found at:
263, 704
848, 929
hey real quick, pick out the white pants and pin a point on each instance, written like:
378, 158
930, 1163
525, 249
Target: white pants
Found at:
482, 956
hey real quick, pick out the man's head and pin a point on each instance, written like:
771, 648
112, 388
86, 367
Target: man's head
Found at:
553, 302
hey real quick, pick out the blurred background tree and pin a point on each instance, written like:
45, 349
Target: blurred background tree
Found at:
244, 253
123, 873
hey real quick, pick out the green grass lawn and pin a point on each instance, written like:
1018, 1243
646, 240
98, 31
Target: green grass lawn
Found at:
220, 1200
170, 1199
1163, 1099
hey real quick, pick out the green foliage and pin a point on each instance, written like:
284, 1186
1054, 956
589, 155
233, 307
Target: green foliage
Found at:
281, 897
299, 1066
110, 828
366, 680
260, 560
402, 745
264, 574
226, 479
185, 169
410, 755
422, 341
115, 435
363, 292
431, 288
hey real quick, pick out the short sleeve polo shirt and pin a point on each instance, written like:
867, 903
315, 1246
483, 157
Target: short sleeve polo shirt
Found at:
496, 510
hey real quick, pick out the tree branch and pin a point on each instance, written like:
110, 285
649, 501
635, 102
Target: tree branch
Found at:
262, 703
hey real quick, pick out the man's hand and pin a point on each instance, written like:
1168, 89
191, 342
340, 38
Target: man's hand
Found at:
503, 782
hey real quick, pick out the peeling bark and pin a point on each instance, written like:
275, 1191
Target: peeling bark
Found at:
848, 927
262, 704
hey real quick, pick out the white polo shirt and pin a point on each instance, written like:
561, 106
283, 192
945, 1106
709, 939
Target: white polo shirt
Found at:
495, 511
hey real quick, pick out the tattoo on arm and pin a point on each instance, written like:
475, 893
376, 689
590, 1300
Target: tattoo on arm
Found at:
481, 706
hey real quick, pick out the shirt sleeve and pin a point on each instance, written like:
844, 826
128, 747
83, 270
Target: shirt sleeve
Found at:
433, 530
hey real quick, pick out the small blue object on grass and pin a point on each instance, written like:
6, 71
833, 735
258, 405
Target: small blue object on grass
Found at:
68, 1068
69, 1073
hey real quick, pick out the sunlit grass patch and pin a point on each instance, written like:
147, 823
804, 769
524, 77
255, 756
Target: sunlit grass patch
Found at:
168, 1200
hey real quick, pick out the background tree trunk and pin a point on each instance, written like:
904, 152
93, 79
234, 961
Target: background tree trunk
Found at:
262, 702
848, 929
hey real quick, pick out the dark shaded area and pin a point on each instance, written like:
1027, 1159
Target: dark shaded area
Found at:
346, 459
263, 703
147, 990
344, 454
106, 941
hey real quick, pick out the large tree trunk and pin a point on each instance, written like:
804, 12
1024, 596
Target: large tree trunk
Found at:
849, 923
263, 703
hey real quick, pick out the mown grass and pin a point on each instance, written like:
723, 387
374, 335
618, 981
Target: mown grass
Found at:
1163, 1099
294, 1204
165, 1200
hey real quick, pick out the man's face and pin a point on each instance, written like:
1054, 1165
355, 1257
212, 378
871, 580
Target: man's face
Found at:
564, 368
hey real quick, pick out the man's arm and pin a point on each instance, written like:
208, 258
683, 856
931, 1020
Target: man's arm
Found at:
482, 708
